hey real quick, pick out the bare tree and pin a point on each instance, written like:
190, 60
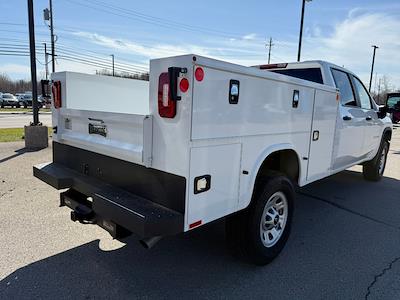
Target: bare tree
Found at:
138, 76
384, 87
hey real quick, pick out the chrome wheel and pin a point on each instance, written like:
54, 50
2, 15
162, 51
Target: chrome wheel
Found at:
273, 220
382, 160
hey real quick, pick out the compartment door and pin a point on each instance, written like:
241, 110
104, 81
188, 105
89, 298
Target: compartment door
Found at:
322, 135
221, 164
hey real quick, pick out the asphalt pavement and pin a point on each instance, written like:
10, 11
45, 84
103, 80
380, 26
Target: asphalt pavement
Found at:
345, 244
19, 120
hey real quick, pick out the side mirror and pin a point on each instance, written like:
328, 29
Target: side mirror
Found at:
382, 112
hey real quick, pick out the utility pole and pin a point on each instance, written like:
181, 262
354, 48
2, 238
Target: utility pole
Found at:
46, 61
372, 67
53, 55
112, 57
48, 16
33, 63
269, 45
301, 28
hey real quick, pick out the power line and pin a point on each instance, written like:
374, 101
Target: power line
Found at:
13, 54
133, 66
137, 16
74, 58
67, 51
96, 65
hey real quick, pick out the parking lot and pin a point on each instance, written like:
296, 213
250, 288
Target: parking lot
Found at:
345, 244
15, 119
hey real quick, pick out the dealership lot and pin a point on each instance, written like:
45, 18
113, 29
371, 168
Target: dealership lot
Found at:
14, 119
344, 244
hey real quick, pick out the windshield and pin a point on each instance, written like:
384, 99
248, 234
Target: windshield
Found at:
7, 96
392, 101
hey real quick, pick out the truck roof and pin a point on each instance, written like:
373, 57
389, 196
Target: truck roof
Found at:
325, 67
304, 64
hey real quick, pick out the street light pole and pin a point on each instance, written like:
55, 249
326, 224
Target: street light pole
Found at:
33, 63
112, 57
372, 67
301, 28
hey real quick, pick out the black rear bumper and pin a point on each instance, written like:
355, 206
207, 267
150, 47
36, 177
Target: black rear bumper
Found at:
113, 208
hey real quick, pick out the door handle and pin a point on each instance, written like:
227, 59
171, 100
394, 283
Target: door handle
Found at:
347, 118
368, 118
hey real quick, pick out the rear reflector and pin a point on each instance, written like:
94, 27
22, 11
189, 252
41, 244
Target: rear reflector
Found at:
195, 224
184, 85
56, 89
199, 74
166, 106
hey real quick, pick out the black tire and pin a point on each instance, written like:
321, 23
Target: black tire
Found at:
373, 169
244, 230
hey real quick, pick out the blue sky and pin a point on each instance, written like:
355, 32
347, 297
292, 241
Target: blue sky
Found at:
338, 31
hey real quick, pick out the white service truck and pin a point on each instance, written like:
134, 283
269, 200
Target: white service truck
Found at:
206, 139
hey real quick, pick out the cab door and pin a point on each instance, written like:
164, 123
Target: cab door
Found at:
371, 120
349, 135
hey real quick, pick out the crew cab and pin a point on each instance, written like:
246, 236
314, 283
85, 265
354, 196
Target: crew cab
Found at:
206, 139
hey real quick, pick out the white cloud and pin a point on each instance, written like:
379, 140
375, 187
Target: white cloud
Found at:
249, 37
148, 51
15, 69
351, 41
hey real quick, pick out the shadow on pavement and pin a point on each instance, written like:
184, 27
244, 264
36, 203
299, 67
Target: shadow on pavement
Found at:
348, 190
198, 259
18, 153
319, 258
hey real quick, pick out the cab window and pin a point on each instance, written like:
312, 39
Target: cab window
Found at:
310, 74
343, 83
362, 94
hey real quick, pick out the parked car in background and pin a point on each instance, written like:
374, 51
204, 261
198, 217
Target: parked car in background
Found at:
393, 104
43, 100
18, 95
8, 99
25, 100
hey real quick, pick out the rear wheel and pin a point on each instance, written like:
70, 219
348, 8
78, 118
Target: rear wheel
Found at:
373, 169
259, 233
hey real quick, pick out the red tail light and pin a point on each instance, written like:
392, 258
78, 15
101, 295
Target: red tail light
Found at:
56, 94
166, 106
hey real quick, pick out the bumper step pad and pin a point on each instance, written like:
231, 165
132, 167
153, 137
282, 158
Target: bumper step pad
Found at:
136, 214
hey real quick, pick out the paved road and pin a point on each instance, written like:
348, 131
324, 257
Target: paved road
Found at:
8, 120
345, 244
